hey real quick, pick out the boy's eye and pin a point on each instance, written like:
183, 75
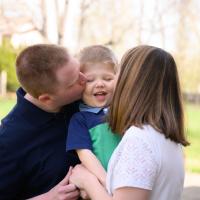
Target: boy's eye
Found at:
108, 78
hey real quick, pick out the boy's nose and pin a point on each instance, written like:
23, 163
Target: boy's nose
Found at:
82, 79
99, 83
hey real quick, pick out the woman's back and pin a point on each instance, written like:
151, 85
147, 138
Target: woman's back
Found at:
146, 159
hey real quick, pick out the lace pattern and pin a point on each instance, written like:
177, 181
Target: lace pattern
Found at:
132, 164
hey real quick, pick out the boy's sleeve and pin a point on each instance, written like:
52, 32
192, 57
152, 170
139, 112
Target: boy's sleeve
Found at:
78, 134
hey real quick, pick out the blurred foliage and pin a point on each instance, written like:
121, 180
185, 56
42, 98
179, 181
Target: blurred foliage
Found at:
189, 70
7, 63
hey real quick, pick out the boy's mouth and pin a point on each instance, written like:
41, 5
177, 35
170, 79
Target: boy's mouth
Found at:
100, 95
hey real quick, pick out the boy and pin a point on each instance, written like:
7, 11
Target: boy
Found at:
88, 133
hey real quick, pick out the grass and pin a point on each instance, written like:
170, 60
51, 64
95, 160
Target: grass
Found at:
192, 152
193, 133
6, 105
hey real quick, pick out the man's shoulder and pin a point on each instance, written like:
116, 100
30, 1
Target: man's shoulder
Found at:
14, 129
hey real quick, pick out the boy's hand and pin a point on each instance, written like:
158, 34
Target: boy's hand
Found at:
84, 195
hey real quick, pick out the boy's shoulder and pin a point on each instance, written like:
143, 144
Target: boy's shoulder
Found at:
88, 118
84, 115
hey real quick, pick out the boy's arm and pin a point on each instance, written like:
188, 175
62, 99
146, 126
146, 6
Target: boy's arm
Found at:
90, 161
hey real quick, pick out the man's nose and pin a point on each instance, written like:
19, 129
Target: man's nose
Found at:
82, 79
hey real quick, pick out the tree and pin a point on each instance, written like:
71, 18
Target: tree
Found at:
7, 63
187, 45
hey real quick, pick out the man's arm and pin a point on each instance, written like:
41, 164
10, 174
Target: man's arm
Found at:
63, 190
10, 173
11, 181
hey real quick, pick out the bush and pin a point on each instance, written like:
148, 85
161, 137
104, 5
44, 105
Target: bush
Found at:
7, 62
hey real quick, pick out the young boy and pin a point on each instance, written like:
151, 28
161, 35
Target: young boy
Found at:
88, 132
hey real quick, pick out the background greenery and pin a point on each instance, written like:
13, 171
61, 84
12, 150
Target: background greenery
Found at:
192, 123
193, 131
7, 63
6, 104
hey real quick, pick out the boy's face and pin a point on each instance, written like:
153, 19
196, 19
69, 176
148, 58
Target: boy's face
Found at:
100, 84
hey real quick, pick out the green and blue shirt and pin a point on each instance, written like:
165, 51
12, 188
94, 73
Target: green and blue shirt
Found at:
88, 130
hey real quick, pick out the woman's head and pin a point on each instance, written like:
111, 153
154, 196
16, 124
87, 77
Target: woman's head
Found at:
148, 92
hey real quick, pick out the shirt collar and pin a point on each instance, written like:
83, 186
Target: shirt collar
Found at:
30, 111
86, 108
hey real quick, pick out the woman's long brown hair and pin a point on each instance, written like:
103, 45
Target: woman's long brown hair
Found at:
148, 92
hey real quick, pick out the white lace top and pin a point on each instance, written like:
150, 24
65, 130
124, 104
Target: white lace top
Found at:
146, 159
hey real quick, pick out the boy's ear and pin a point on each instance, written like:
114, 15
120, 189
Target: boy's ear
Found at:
44, 98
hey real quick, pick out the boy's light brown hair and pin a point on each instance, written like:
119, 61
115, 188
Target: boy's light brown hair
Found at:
148, 92
36, 67
97, 54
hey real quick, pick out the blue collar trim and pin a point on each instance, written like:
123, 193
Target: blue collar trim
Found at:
84, 107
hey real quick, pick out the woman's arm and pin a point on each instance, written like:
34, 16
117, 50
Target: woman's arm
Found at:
85, 180
97, 192
131, 193
90, 161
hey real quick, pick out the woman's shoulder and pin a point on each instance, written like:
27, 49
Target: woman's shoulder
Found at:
136, 137
146, 132
139, 132
145, 138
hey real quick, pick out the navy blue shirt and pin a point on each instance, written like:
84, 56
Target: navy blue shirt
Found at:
33, 158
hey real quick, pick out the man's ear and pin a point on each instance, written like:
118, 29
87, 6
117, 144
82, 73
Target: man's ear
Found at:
44, 98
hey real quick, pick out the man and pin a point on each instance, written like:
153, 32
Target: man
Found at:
33, 135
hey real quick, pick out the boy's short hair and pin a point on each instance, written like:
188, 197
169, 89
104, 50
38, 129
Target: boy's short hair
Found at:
36, 67
97, 54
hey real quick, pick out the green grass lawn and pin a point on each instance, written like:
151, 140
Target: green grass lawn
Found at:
6, 105
192, 152
193, 131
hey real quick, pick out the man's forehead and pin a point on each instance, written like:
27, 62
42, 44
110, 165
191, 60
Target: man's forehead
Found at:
69, 73
74, 61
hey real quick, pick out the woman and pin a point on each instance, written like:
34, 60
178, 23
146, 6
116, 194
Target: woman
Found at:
147, 111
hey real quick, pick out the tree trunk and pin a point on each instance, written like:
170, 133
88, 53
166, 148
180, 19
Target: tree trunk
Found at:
71, 25
3, 83
50, 28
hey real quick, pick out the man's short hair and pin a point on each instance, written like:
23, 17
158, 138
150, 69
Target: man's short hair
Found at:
36, 67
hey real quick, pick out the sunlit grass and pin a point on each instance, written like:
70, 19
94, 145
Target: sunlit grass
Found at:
6, 105
193, 132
